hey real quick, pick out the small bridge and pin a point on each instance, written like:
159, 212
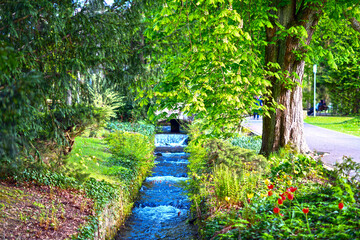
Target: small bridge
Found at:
176, 117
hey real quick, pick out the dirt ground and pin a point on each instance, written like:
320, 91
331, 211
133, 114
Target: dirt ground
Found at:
41, 212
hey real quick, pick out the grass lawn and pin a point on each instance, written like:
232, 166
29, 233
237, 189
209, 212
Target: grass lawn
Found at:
349, 125
88, 155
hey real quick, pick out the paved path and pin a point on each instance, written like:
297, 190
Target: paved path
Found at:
335, 145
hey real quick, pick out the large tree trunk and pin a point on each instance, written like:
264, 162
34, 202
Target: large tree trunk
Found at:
285, 127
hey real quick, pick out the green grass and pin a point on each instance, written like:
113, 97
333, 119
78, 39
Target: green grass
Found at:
349, 125
87, 158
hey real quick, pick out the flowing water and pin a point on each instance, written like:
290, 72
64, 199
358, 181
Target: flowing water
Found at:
162, 209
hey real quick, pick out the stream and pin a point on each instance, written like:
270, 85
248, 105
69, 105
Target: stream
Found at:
162, 209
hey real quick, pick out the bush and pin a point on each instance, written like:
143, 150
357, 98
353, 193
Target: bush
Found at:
220, 151
252, 143
295, 183
294, 165
222, 174
239, 194
132, 151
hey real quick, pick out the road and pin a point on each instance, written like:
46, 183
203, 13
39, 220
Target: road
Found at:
334, 144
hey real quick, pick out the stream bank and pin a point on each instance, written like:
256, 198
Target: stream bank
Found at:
162, 209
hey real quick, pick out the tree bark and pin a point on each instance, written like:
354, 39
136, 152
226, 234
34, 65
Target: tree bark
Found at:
285, 127
355, 24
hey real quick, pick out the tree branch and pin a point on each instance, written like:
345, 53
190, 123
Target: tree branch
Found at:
20, 19
355, 24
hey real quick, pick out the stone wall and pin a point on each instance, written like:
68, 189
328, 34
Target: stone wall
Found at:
112, 218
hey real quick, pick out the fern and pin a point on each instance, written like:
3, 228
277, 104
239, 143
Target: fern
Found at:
104, 97
226, 183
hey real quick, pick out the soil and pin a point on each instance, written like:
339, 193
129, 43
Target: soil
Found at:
29, 211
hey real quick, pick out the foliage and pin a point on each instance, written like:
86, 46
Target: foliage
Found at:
49, 50
87, 231
121, 158
233, 200
102, 192
226, 183
221, 152
336, 51
296, 165
247, 142
87, 158
140, 127
221, 174
33, 138
347, 174
46, 177
132, 154
95, 171
218, 55
105, 97
343, 84
211, 58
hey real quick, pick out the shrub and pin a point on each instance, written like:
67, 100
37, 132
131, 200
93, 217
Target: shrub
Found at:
105, 99
220, 151
221, 173
295, 165
247, 142
233, 199
133, 151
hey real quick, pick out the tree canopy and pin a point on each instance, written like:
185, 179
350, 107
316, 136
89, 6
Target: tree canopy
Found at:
49, 51
211, 58
218, 55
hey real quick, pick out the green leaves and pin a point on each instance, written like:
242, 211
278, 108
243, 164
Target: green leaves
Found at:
212, 72
48, 53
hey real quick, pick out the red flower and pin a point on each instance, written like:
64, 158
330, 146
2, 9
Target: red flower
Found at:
280, 201
306, 210
271, 186
341, 205
283, 196
293, 189
276, 210
270, 193
290, 196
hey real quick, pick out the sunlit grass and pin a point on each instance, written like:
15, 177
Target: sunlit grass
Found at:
88, 155
349, 125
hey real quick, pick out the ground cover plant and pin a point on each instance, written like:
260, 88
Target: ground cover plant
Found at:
98, 171
348, 125
43, 212
139, 127
247, 142
120, 163
287, 196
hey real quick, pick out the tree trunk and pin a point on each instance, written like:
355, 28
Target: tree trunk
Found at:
69, 96
285, 127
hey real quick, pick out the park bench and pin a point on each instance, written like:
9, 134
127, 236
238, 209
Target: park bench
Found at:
322, 108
